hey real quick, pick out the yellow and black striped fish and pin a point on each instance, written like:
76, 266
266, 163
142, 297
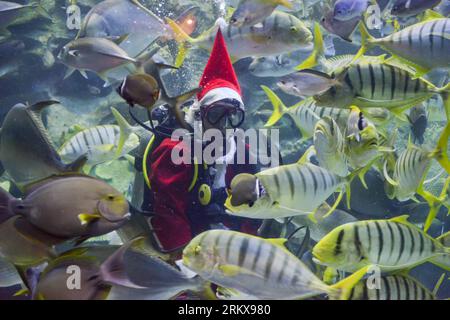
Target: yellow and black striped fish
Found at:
261, 268
371, 84
395, 287
390, 244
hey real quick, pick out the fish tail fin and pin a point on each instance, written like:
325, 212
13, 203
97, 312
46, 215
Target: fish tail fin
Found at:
112, 269
442, 260
342, 289
41, 10
434, 202
279, 109
182, 38
441, 153
444, 239
317, 53
357, 173
366, 41
285, 3
125, 130
445, 93
5, 200
176, 104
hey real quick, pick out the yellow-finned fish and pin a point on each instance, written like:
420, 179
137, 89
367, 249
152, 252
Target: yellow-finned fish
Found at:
329, 144
394, 287
411, 169
101, 143
289, 190
371, 84
306, 114
424, 45
251, 12
262, 268
392, 244
278, 33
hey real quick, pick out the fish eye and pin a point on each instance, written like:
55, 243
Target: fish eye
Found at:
294, 29
20, 206
111, 197
263, 59
233, 20
197, 250
283, 82
251, 203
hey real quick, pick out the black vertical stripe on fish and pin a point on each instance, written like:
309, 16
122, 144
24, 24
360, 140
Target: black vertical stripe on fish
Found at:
393, 84
352, 292
377, 294
357, 241
380, 240
369, 237
410, 32
294, 280
433, 247
416, 291
443, 38
383, 80
302, 178
291, 183
257, 254
411, 252
372, 80
417, 87
314, 179
85, 139
397, 286
365, 293
391, 232
348, 81
285, 262
229, 32
402, 242
387, 288
406, 288
405, 88
99, 135
325, 183
421, 34
432, 35
422, 244
321, 113
361, 83
277, 182
228, 246
243, 251
337, 249
269, 262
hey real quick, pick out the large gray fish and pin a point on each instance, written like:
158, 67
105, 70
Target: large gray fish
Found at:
70, 207
114, 18
251, 12
26, 151
405, 8
9, 11
99, 55
279, 33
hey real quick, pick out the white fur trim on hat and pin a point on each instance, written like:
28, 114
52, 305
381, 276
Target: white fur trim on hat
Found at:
219, 94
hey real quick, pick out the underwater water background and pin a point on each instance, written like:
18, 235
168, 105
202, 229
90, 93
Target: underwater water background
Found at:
33, 73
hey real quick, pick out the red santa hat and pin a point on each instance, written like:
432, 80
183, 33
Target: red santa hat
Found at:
219, 81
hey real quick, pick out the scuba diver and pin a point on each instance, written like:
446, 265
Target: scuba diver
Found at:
188, 198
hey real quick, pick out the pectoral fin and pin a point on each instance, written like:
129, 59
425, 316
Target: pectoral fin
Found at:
87, 218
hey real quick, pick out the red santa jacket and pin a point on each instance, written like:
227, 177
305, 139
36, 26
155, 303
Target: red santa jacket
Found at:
171, 197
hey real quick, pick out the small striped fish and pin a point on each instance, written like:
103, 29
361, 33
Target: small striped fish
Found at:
394, 287
279, 33
373, 85
413, 164
330, 147
306, 114
290, 190
425, 45
361, 153
262, 268
390, 244
101, 143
